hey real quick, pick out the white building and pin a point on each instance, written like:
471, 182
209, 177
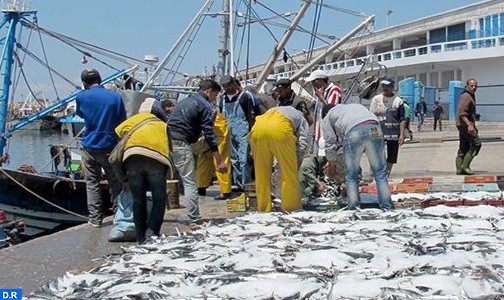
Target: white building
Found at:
463, 43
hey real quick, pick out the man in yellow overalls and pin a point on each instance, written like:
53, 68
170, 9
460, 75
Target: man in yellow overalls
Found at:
281, 133
206, 164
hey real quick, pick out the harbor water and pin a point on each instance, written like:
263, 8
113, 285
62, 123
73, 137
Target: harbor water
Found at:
31, 146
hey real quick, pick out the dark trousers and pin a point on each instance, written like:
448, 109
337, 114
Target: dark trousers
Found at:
436, 120
146, 174
468, 143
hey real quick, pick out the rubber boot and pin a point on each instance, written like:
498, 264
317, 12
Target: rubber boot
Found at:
458, 164
466, 165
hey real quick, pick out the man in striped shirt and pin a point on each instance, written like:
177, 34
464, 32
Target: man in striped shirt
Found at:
327, 93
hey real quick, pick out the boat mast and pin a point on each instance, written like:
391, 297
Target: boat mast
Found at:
12, 13
223, 66
281, 44
185, 35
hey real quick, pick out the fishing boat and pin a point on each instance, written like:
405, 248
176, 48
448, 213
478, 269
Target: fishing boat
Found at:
53, 200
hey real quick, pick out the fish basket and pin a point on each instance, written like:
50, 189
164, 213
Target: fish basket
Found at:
480, 179
172, 194
238, 204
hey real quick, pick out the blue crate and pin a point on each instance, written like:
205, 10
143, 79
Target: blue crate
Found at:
481, 187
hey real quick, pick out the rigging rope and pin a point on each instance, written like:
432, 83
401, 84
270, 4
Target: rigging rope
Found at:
36, 27
40, 61
42, 198
26, 81
97, 49
316, 22
47, 63
16, 80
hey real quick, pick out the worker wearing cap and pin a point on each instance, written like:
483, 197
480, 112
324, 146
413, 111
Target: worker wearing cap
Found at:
287, 97
389, 109
102, 111
327, 93
207, 165
279, 133
240, 109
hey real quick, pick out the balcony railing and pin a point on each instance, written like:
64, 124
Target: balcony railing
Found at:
434, 49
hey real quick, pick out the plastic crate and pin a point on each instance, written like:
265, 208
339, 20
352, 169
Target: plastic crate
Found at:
474, 202
448, 179
480, 179
412, 188
429, 203
481, 187
411, 180
448, 187
368, 189
495, 202
454, 202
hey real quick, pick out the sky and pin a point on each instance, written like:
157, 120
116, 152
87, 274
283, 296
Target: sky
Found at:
137, 28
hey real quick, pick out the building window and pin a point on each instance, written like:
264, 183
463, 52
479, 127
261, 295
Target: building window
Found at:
437, 36
350, 63
422, 51
456, 32
397, 54
387, 56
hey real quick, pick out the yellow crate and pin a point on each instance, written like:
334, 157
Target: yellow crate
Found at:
238, 204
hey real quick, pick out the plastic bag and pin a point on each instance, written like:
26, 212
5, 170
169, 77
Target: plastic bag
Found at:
124, 226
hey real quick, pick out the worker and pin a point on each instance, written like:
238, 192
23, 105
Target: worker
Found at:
389, 109
240, 109
287, 97
327, 93
146, 159
281, 133
469, 141
358, 131
207, 165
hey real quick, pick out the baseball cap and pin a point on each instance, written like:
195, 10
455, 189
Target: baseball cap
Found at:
317, 74
387, 81
227, 79
90, 76
284, 82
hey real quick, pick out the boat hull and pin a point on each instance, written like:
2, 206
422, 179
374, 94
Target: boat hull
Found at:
40, 216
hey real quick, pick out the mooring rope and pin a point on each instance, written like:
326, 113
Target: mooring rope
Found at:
40, 197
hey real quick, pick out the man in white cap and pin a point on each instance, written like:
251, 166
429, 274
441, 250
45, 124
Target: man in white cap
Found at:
327, 93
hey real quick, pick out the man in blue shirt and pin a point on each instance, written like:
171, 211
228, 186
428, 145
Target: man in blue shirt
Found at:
102, 111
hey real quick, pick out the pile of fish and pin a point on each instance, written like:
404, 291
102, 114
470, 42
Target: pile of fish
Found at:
434, 253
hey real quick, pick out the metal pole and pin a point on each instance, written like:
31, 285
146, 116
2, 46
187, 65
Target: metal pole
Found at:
281, 44
223, 66
329, 50
65, 101
231, 39
177, 44
7, 55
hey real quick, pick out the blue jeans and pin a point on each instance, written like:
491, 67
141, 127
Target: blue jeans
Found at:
146, 174
421, 118
185, 162
368, 138
94, 161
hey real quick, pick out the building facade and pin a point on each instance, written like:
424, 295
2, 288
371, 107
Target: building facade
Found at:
463, 43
